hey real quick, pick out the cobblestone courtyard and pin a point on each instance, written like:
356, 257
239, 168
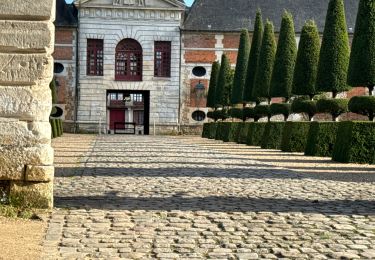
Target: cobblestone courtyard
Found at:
186, 197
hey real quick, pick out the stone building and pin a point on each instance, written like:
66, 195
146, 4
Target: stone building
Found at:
144, 65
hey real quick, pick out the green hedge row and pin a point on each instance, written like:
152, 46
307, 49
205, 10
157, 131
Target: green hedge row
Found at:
345, 141
295, 136
321, 139
272, 135
56, 127
355, 143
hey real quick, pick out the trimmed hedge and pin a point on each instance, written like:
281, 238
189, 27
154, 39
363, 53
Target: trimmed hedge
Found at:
255, 133
363, 105
222, 130
355, 143
206, 130
284, 109
272, 135
243, 133
302, 105
227, 131
212, 131
321, 139
295, 136
332, 106
262, 111
60, 122
54, 128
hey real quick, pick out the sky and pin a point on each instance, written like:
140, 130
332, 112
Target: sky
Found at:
187, 2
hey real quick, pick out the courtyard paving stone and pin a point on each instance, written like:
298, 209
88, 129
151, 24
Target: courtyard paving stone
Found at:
144, 197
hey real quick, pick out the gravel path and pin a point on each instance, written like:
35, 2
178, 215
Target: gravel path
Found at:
149, 197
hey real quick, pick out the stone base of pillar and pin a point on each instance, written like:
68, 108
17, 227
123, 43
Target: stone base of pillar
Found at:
31, 194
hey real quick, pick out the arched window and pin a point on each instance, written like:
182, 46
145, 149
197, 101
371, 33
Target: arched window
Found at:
128, 61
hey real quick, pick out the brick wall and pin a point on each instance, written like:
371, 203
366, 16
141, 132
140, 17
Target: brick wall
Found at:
195, 56
193, 98
64, 36
231, 41
199, 41
63, 53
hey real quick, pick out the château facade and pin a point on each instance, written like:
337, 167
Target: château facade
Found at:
144, 65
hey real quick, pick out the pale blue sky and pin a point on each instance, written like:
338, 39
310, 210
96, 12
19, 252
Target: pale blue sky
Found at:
188, 2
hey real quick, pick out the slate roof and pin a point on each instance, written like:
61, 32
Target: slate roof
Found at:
66, 14
233, 15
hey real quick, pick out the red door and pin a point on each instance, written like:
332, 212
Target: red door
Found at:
116, 116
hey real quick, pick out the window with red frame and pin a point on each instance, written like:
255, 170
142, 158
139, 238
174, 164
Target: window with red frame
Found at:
95, 57
128, 61
162, 66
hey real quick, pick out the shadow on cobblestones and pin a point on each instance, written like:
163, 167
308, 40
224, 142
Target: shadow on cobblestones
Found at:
241, 172
111, 201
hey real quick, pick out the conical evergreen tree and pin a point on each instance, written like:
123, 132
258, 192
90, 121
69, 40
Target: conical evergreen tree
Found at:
241, 68
362, 59
253, 58
282, 74
334, 53
222, 82
228, 88
211, 102
265, 65
306, 68
52, 87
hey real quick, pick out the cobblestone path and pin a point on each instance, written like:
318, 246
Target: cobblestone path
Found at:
189, 198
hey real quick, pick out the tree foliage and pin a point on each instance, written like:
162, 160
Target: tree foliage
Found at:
211, 101
241, 68
223, 83
282, 74
334, 53
306, 67
335, 107
253, 58
265, 65
364, 105
362, 59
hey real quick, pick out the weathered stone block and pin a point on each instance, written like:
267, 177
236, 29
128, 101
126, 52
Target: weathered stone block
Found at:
39, 173
32, 36
25, 68
29, 194
26, 102
27, 10
13, 160
24, 134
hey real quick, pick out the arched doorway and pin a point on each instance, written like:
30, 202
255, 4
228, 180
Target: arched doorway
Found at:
129, 56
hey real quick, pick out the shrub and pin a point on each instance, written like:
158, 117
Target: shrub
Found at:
220, 114
248, 112
321, 139
295, 136
253, 58
243, 133
234, 131
281, 109
335, 107
54, 128
301, 105
334, 53
206, 130
262, 111
364, 105
212, 131
362, 66
272, 135
265, 65
355, 143
211, 95
222, 130
236, 113
211, 115
306, 67
282, 74
241, 68
255, 133
59, 127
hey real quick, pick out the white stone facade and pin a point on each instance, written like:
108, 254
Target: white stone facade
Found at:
146, 22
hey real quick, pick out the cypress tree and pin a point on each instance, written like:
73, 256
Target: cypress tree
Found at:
334, 53
362, 59
222, 84
282, 74
241, 68
265, 65
211, 102
228, 87
306, 66
253, 58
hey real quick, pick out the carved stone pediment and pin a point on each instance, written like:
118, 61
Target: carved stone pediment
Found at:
129, 2
168, 4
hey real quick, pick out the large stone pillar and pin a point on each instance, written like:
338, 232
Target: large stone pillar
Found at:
26, 69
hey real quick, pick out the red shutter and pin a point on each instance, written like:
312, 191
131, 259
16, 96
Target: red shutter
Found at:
94, 57
162, 64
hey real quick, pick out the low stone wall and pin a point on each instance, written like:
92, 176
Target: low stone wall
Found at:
26, 69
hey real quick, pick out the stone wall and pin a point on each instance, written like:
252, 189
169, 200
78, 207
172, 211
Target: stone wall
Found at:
26, 64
